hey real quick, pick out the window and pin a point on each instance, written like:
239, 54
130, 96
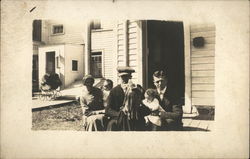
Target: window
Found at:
57, 29
74, 65
37, 30
96, 64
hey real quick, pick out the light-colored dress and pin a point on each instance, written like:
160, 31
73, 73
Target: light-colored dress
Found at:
153, 106
105, 97
92, 101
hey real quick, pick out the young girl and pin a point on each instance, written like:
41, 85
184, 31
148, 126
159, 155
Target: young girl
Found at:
152, 103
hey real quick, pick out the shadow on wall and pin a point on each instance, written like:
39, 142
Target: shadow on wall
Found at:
62, 78
61, 63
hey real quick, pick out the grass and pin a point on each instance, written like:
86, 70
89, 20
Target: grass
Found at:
68, 117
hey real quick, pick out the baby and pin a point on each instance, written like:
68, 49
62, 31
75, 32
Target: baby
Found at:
152, 103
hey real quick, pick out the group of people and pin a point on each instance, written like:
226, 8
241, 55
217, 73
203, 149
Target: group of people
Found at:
127, 107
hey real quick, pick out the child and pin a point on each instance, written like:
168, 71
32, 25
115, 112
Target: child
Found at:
152, 103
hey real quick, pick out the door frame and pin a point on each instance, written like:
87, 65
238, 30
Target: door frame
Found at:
54, 61
187, 108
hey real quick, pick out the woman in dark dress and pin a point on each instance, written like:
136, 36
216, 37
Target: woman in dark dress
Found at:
91, 102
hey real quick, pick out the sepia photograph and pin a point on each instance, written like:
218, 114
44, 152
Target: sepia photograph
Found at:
123, 75
124, 79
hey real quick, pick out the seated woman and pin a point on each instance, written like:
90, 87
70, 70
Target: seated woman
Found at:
91, 102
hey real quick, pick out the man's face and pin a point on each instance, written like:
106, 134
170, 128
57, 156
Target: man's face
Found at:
125, 78
160, 83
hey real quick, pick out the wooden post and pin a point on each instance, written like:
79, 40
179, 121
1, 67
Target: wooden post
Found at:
188, 104
87, 48
126, 53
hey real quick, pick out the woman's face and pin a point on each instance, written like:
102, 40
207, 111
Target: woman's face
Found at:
88, 83
106, 86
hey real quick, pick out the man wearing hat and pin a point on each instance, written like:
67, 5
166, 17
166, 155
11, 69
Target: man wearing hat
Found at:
172, 115
123, 103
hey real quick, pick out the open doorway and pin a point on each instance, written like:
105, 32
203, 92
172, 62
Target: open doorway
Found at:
165, 42
50, 62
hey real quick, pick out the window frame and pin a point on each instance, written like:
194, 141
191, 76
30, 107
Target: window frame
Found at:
72, 65
102, 61
56, 25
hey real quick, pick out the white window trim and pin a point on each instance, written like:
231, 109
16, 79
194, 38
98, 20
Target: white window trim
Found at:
52, 28
102, 53
72, 65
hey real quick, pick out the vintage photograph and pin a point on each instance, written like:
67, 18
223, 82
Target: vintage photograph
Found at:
123, 75
124, 79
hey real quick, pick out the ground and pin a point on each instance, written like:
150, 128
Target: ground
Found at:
69, 117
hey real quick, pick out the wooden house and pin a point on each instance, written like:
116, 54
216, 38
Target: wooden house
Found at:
184, 51
60, 50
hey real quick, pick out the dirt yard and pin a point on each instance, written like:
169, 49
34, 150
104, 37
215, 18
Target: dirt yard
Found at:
68, 117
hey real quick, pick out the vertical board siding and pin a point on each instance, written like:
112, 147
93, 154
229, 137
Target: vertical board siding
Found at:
202, 65
104, 41
131, 40
133, 49
120, 42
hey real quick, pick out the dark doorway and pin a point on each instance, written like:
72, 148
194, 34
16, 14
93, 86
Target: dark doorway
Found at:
35, 84
50, 62
166, 52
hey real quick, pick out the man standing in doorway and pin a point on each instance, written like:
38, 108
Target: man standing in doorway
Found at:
172, 115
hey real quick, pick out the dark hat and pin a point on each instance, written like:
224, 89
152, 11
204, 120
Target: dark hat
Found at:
88, 77
125, 70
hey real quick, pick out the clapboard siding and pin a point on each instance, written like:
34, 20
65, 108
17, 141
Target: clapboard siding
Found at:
133, 48
104, 41
202, 80
203, 53
206, 47
202, 60
208, 34
199, 67
202, 87
205, 73
120, 44
203, 101
203, 94
202, 65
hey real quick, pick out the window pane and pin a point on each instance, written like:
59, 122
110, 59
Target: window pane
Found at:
96, 64
57, 29
74, 65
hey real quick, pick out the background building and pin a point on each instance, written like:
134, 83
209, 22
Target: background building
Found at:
58, 47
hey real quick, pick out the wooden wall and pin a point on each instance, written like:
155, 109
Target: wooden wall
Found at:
202, 65
127, 45
103, 40
73, 32
133, 50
